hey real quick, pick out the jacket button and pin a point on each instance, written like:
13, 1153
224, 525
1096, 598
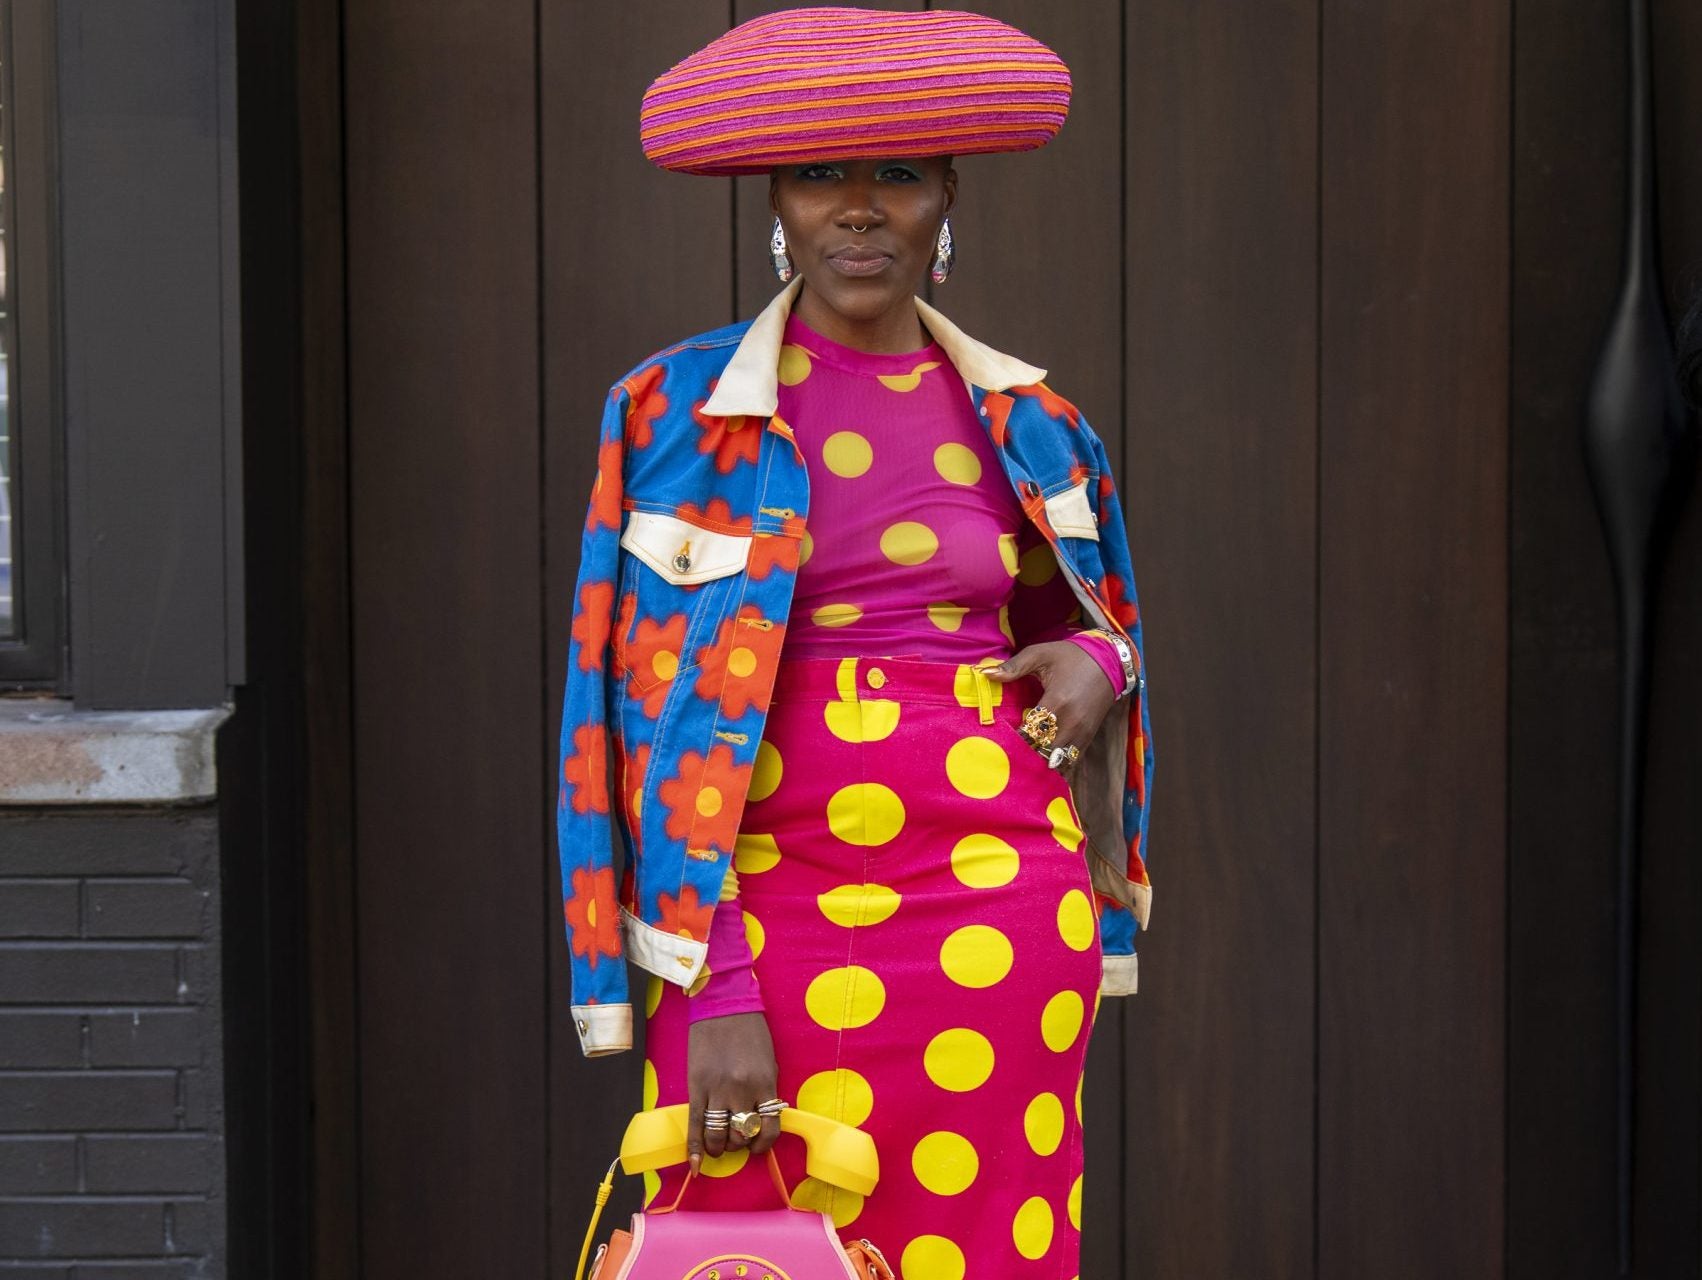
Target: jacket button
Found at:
682, 562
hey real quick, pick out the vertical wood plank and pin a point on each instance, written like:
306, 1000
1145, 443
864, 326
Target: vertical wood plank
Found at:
1568, 182
1039, 274
443, 343
1220, 175
634, 258
1413, 628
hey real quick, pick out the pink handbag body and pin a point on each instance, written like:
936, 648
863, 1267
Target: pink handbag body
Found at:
687, 1245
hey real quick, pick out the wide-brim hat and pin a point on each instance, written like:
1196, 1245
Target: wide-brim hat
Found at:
843, 83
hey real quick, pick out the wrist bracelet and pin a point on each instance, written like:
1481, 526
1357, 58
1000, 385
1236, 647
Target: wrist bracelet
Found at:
1125, 655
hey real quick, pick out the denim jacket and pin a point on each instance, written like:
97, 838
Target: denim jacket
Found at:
687, 566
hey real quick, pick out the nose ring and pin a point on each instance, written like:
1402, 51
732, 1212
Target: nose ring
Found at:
859, 230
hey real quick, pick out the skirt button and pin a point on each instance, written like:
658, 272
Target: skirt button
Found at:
877, 678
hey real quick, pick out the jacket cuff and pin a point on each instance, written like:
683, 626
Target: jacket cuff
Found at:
1119, 975
603, 1028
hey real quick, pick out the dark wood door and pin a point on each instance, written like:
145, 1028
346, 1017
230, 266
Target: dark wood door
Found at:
1326, 275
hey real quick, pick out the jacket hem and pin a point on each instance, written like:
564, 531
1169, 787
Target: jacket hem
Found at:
667, 955
1119, 975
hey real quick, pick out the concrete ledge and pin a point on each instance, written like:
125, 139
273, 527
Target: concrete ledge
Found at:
52, 754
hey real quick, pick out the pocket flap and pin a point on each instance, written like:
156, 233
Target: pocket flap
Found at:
1071, 513
683, 552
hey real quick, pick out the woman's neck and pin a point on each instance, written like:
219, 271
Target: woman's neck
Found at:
892, 332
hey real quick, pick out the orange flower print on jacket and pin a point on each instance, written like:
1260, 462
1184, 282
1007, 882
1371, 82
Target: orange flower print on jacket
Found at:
732, 440
632, 765
684, 915
653, 655
771, 550
605, 512
1054, 404
648, 404
718, 515
744, 645
593, 918
706, 792
591, 622
585, 771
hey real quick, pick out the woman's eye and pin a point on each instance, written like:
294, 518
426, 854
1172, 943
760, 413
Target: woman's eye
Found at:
813, 172
901, 173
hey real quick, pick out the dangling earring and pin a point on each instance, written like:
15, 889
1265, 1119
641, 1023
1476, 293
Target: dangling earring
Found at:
777, 252
945, 254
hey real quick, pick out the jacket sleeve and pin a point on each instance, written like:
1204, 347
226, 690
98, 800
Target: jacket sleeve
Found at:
602, 1011
1119, 925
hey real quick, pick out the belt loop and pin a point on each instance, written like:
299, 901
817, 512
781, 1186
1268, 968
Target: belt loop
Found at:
984, 696
846, 680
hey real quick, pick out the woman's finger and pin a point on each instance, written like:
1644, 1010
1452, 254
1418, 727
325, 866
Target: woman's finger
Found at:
715, 1139
694, 1132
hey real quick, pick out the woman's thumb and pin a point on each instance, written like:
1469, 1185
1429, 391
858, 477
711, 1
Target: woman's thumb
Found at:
1013, 667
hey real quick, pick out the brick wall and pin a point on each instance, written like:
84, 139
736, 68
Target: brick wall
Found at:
111, 1093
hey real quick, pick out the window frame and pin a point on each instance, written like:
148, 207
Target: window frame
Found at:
35, 659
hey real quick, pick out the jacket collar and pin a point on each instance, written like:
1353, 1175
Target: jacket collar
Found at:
750, 383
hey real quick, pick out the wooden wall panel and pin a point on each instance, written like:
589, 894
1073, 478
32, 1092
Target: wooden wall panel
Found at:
1220, 175
1412, 636
634, 259
443, 350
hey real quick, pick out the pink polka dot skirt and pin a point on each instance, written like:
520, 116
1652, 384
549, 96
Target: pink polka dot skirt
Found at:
928, 952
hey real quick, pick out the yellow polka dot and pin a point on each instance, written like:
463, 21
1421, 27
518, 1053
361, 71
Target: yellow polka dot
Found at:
709, 801
978, 767
1037, 566
765, 773
909, 542
823, 1197
703, 975
652, 1089
652, 1186
846, 998
866, 720
957, 463
858, 904
976, 955
1005, 624
945, 1162
959, 1060
839, 1094
836, 615
1078, 1098
932, 1258
865, 813
984, 861
754, 854
1073, 1204
1007, 553
907, 381
1043, 1122
1064, 828
794, 365
1032, 1230
652, 995
664, 664
947, 617
847, 454
1060, 1021
755, 934
724, 1165
1075, 920
805, 547
741, 662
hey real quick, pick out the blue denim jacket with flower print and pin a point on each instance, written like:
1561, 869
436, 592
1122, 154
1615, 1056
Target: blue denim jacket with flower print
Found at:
690, 551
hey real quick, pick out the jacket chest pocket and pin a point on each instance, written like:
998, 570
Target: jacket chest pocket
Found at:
674, 579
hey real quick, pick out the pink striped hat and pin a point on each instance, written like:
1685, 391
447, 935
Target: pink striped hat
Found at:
840, 83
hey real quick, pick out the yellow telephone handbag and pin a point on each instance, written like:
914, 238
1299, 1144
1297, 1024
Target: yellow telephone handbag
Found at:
787, 1243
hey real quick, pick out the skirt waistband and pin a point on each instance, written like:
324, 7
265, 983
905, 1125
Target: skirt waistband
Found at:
904, 679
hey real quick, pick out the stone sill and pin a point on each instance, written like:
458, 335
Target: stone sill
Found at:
53, 754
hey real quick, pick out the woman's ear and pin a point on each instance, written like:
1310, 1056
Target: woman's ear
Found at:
951, 189
774, 192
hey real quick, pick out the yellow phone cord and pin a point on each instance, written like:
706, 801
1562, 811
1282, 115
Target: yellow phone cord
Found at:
603, 1194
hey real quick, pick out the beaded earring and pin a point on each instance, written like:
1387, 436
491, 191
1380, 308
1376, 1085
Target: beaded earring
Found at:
777, 255
945, 254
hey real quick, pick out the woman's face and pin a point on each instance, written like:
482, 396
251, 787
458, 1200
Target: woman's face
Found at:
863, 275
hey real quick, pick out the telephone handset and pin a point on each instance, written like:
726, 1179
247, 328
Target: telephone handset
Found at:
837, 1153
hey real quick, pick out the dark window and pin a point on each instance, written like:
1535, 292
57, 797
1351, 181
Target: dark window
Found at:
31, 561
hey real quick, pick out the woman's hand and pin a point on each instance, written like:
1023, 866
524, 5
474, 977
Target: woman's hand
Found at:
1074, 689
730, 1065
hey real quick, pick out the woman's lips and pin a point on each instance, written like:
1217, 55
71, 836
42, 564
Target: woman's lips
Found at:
859, 262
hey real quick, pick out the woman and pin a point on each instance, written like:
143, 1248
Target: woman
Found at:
859, 643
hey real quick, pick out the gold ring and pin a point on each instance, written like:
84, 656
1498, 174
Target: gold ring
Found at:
747, 1123
1039, 726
